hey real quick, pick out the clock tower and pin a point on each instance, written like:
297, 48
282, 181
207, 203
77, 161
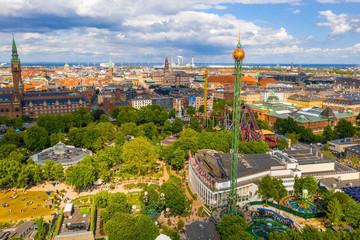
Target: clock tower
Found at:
16, 68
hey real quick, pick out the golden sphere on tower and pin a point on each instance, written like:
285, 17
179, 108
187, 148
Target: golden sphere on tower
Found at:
239, 54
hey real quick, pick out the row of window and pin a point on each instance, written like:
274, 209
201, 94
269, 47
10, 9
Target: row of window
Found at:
50, 112
61, 107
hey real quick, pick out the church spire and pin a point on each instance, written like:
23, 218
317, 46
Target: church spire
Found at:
166, 65
14, 56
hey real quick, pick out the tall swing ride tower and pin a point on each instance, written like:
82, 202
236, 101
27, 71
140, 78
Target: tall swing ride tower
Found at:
238, 56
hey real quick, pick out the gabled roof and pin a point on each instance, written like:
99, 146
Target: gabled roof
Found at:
328, 112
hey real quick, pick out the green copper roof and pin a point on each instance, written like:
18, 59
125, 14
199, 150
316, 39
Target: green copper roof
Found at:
14, 56
110, 64
273, 98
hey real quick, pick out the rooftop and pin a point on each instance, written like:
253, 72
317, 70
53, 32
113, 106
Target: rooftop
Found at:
202, 230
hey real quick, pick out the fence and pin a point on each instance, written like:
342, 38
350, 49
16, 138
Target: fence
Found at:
289, 210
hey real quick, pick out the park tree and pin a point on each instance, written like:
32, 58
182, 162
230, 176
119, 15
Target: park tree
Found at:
309, 183
180, 224
56, 137
286, 125
280, 190
104, 118
90, 136
6, 149
194, 123
293, 136
177, 159
80, 175
41, 229
129, 129
264, 125
120, 139
10, 170
282, 144
145, 228
345, 129
307, 135
231, 228
17, 122
352, 215
188, 141
172, 113
172, 233
153, 194
266, 188
121, 226
174, 197
101, 199
36, 138
201, 109
328, 133
191, 110
12, 137
167, 127
177, 125
139, 154
97, 114
334, 212
76, 136
345, 200
149, 130
5, 120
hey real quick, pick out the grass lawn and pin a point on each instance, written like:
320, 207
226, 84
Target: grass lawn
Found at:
15, 205
84, 210
134, 199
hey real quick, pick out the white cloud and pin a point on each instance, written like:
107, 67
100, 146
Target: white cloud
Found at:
337, 1
116, 9
339, 24
296, 11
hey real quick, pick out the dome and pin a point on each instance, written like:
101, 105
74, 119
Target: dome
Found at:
316, 106
66, 66
238, 54
271, 111
301, 118
59, 148
273, 98
349, 112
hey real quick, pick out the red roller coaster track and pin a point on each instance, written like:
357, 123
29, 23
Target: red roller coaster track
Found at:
250, 130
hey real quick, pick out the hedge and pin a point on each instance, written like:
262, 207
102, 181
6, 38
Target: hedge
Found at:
93, 218
59, 223
192, 195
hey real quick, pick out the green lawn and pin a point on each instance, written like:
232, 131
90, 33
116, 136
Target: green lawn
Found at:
134, 199
84, 210
15, 205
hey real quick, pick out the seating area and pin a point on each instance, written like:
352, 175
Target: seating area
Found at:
353, 192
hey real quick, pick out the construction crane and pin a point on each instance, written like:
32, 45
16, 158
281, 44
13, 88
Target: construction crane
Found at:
238, 56
206, 85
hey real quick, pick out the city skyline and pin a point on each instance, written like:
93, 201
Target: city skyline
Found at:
273, 31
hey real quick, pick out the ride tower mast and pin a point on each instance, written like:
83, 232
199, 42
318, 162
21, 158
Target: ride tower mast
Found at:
238, 56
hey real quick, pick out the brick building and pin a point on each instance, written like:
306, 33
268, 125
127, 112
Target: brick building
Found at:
15, 102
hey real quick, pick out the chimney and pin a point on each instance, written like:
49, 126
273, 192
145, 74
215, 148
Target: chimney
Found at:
118, 94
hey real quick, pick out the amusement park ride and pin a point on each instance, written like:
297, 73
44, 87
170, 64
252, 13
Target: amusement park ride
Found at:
243, 126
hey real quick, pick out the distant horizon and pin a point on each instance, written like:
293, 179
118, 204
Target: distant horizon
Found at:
157, 64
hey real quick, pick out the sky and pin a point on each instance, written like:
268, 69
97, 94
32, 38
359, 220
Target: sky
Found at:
272, 31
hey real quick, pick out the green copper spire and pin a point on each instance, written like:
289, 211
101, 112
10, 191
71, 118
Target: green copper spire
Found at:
14, 56
110, 64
